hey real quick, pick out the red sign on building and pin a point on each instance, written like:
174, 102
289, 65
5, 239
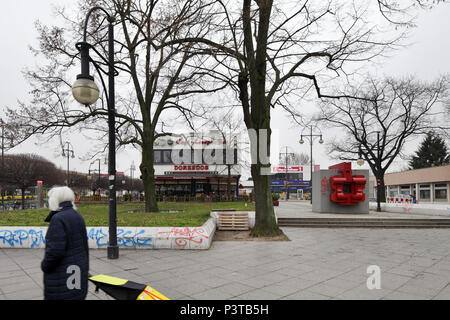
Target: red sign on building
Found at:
191, 168
288, 169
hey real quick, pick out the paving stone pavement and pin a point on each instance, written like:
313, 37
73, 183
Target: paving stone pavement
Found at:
316, 264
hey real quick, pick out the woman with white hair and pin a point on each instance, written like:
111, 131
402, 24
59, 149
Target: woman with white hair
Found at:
66, 260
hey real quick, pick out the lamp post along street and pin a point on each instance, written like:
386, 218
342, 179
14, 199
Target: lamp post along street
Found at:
311, 138
132, 169
86, 92
98, 171
286, 185
378, 185
66, 152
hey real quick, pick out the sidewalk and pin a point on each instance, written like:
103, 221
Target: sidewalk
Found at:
315, 264
303, 209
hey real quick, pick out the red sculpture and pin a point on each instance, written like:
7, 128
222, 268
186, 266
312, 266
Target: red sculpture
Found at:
347, 190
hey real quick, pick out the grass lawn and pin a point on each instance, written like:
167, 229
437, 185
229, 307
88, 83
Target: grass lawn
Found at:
194, 214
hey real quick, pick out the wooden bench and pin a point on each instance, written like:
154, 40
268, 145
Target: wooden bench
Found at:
235, 221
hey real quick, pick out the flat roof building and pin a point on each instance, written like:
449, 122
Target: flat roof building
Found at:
195, 165
431, 185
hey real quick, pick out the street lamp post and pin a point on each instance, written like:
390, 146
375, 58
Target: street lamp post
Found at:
86, 92
99, 171
67, 152
132, 169
311, 138
286, 172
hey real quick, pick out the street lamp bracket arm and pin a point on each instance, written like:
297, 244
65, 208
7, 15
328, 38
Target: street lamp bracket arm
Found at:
86, 22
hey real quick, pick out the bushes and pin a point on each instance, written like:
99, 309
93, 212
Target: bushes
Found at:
275, 198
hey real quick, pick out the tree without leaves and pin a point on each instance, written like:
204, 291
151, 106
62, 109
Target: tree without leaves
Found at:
231, 130
397, 109
294, 158
154, 82
432, 152
270, 52
24, 170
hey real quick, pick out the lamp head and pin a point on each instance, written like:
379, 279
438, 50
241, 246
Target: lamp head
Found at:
360, 162
84, 90
321, 140
302, 141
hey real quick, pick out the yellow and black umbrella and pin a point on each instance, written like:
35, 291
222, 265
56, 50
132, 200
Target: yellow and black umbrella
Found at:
121, 289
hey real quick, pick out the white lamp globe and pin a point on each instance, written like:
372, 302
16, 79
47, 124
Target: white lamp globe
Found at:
85, 91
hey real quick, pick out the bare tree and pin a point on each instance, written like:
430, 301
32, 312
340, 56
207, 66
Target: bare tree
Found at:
24, 170
378, 127
294, 158
79, 182
231, 129
270, 52
154, 83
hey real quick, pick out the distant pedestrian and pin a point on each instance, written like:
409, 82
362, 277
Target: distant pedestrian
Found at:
66, 261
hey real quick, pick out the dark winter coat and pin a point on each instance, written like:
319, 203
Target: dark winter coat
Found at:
66, 261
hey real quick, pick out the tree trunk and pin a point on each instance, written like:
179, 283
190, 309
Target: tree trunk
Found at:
148, 177
23, 199
265, 223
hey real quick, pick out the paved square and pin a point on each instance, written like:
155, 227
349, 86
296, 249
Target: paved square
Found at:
315, 264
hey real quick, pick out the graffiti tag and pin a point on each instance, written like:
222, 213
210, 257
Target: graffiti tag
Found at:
20, 237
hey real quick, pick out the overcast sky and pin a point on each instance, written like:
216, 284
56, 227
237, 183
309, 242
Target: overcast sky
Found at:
426, 58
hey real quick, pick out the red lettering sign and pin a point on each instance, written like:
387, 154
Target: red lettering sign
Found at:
325, 186
191, 168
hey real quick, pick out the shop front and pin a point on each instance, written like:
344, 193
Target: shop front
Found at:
196, 184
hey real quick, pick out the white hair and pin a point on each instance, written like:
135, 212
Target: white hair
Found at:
57, 195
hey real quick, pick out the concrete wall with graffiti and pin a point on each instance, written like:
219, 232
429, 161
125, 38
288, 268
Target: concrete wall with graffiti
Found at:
197, 238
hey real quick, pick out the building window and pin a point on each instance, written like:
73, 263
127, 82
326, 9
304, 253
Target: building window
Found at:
424, 192
440, 191
157, 158
405, 190
393, 191
162, 156
167, 156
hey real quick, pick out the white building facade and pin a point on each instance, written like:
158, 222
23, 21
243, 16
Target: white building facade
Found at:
196, 165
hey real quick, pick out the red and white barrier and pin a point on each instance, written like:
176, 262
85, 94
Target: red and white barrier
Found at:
399, 199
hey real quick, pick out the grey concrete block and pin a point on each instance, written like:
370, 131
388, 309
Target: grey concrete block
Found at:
321, 195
